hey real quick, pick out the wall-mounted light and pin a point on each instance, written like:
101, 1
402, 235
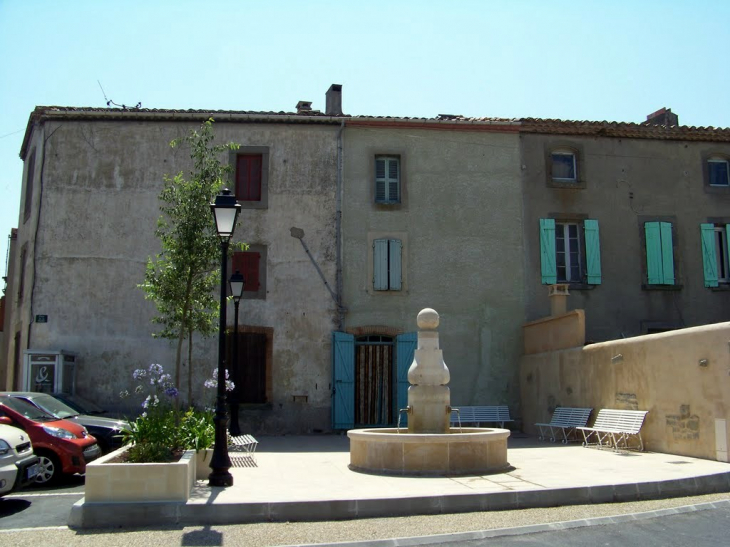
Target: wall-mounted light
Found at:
704, 362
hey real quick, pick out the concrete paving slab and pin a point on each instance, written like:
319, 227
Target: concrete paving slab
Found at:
307, 478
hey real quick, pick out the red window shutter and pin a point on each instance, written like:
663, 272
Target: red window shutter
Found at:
248, 264
248, 177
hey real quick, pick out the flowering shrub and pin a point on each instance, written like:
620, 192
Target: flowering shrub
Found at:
162, 430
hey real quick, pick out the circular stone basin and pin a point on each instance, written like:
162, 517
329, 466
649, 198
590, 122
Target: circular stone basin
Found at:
465, 451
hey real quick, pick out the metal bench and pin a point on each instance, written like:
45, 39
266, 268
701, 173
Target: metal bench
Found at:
615, 428
480, 414
242, 443
564, 421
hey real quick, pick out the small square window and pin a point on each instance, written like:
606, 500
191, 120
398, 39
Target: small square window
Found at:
563, 166
718, 171
387, 179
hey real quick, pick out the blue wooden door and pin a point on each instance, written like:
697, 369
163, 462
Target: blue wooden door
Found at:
343, 384
405, 348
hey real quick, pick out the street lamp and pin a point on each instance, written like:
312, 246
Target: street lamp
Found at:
225, 211
237, 283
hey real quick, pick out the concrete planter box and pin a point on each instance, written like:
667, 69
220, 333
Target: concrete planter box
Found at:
139, 482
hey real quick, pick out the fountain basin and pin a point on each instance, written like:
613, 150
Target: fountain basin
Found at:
465, 451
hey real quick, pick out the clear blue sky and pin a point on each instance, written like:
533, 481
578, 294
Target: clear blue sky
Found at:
606, 60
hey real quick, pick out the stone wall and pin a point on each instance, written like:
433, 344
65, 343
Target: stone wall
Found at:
681, 377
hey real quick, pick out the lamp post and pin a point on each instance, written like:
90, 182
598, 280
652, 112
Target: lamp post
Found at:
237, 283
225, 211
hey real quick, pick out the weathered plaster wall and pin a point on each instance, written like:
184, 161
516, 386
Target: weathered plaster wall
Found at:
681, 377
460, 222
567, 330
627, 182
100, 186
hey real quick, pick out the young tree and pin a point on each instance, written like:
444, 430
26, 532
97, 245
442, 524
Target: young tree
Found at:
181, 279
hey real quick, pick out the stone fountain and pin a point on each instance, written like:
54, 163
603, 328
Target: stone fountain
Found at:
429, 447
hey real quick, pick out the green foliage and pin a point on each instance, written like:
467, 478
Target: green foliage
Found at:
182, 278
197, 430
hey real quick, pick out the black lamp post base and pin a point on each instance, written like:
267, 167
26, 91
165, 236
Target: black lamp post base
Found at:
220, 478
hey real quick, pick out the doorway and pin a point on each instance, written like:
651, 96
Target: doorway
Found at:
374, 380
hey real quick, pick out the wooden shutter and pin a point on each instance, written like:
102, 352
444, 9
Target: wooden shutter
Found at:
380, 264
653, 253
248, 264
405, 349
593, 252
665, 229
343, 372
248, 177
709, 257
380, 182
393, 180
547, 251
394, 265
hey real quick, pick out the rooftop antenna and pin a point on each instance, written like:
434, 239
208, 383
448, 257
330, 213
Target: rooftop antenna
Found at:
109, 102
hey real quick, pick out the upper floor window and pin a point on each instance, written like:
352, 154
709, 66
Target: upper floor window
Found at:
387, 265
718, 171
570, 251
715, 251
659, 253
251, 176
387, 179
564, 167
248, 177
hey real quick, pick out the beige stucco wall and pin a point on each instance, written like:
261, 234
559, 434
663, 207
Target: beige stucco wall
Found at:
460, 223
682, 378
628, 182
567, 330
100, 184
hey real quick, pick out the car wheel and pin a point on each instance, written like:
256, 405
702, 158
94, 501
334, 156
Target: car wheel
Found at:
50, 468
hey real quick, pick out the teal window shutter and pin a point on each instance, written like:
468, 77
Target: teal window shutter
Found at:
394, 264
405, 350
667, 252
380, 264
653, 253
547, 251
709, 257
593, 252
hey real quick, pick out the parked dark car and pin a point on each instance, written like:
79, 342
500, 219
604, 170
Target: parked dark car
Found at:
84, 406
108, 431
61, 446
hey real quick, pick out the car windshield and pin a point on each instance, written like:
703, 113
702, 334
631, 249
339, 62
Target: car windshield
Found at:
52, 405
28, 410
83, 406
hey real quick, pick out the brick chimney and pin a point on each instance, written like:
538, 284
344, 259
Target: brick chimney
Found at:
663, 116
334, 100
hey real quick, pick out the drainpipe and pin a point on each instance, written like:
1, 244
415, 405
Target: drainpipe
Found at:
338, 232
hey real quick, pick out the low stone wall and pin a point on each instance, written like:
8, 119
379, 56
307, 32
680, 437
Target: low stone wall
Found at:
681, 377
567, 330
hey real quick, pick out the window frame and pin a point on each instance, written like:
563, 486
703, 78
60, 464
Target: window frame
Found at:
580, 242
718, 159
676, 258
259, 294
387, 158
708, 156
587, 229
718, 251
563, 152
564, 148
370, 272
263, 151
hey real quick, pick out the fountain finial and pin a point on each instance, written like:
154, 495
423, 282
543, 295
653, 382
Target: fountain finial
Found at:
428, 319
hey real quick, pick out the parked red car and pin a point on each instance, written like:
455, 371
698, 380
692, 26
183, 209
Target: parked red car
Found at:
61, 446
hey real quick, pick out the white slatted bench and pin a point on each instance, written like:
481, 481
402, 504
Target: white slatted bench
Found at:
480, 414
242, 443
564, 421
615, 428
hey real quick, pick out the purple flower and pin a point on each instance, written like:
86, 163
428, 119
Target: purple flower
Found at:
156, 369
171, 391
139, 373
